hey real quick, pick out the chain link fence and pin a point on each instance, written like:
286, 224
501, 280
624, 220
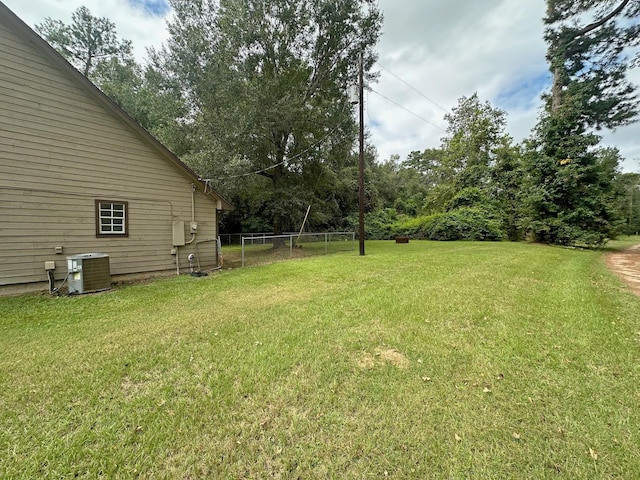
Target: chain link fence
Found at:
257, 249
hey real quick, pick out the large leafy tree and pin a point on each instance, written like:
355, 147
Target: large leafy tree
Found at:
505, 186
395, 184
570, 188
475, 133
265, 83
629, 186
153, 100
470, 188
92, 45
87, 42
475, 130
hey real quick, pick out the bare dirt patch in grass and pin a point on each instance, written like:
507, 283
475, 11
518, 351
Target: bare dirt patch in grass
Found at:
626, 265
382, 356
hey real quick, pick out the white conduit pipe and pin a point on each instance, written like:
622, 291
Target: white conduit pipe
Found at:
193, 212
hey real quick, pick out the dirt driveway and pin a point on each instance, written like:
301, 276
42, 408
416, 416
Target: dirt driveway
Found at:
626, 264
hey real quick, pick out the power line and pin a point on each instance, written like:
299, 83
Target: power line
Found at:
340, 124
412, 87
298, 155
407, 110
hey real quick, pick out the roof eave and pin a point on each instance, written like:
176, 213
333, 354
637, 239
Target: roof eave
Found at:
32, 37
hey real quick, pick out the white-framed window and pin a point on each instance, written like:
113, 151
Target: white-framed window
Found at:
112, 218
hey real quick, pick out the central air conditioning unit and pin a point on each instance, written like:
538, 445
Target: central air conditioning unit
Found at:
88, 272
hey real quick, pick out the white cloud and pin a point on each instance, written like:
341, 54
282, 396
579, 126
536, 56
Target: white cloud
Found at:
443, 49
451, 49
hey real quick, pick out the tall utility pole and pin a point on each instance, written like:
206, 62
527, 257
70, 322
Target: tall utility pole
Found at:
361, 159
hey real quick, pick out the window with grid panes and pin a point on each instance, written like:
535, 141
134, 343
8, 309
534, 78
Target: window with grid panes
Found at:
111, 218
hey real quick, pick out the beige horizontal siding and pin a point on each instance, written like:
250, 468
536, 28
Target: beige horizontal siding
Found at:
52, 122
30, 233
60, 150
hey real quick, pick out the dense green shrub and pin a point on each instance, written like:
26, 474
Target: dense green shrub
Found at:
413, 227
466, 223
377, 224
470, 215
469, 197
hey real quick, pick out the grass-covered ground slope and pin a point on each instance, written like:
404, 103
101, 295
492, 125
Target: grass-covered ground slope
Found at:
425, 360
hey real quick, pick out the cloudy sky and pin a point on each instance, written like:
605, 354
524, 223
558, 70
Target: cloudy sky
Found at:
432, 52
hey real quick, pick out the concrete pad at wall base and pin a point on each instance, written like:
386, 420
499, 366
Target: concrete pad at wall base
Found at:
42, 288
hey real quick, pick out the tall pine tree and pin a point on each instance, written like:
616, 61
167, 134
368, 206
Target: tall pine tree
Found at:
570, 188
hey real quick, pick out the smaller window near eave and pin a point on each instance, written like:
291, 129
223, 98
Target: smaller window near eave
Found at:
112, 218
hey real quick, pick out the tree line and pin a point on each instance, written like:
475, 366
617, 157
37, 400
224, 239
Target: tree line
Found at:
253, 95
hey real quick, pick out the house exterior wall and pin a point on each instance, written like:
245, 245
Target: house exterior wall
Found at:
60, 151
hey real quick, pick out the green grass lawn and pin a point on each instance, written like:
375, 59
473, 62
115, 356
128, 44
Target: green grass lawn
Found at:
425, 360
